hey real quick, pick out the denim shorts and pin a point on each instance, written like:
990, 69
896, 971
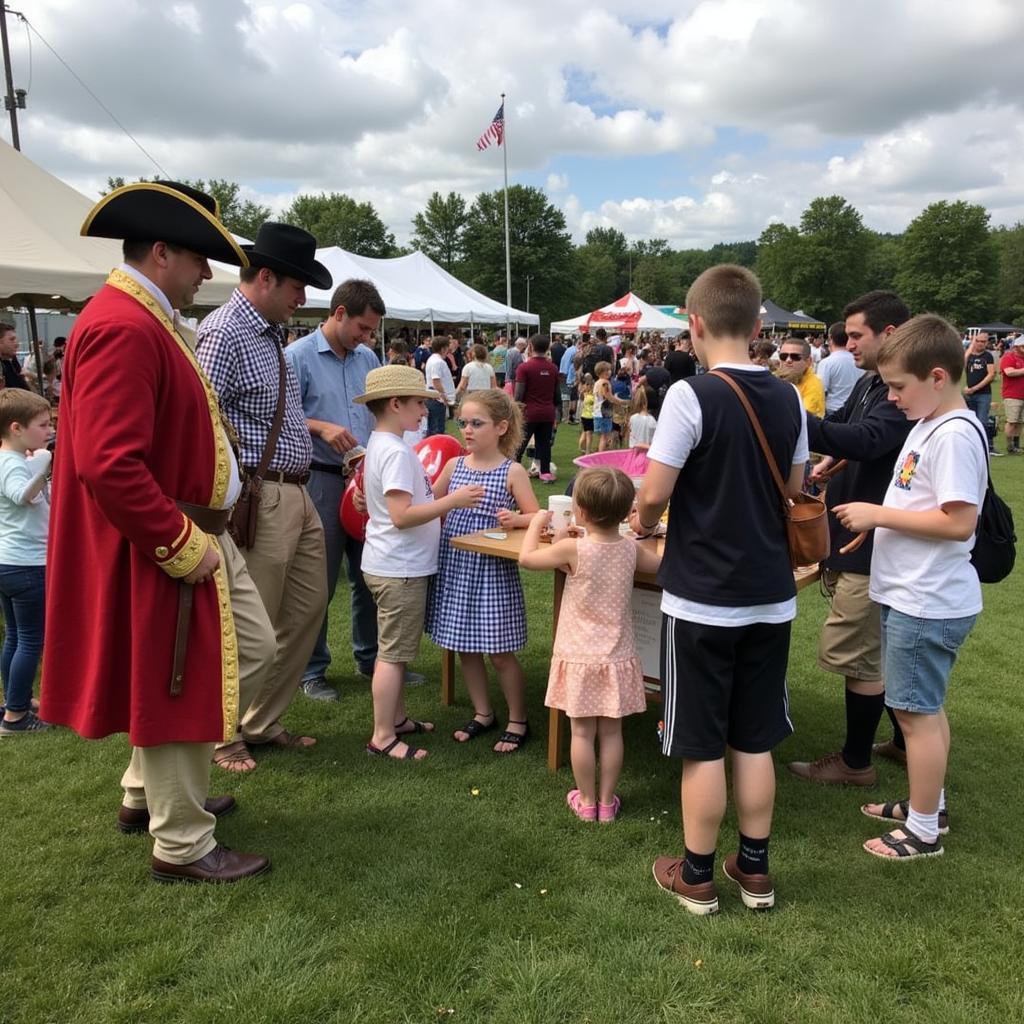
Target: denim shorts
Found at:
917, 658
602, 424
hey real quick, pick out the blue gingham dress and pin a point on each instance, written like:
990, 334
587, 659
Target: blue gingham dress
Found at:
476, 601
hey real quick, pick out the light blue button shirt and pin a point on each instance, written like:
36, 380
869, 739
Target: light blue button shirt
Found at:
328, 386
566, 366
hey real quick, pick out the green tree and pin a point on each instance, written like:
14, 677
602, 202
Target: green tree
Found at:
594, 280
832, 263
779, 264
743, 253
1009, 244
655, 271
540, 248
614, 243
438, 230
337, 219
883, 261
948, 263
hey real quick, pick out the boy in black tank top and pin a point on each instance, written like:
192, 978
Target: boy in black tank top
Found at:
728, 592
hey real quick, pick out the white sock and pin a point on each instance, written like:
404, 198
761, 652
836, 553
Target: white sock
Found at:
942, 800
924, 826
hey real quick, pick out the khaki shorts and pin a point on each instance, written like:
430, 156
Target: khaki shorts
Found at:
1013, 409
851, 639
401, 611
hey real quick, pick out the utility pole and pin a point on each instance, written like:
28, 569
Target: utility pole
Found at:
12, 100
529, 278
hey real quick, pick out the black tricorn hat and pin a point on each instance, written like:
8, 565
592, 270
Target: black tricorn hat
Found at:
165, 211
288, 250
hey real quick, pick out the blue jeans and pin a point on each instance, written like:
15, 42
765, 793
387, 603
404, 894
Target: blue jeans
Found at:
23, 598
981, 406
325, 490
437, 417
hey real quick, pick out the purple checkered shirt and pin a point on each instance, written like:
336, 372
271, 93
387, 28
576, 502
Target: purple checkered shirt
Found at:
238, 350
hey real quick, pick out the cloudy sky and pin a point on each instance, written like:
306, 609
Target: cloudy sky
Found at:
693, 120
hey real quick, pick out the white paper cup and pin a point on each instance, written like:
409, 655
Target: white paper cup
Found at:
560, 506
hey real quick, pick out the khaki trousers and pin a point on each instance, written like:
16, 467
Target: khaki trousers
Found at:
173, 779
288, 564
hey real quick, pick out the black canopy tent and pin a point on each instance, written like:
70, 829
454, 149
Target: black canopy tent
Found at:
997, 329
775, 318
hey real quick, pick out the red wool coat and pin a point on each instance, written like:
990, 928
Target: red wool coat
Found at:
139, 427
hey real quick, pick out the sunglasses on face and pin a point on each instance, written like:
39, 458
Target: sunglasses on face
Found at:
795, 356
475, 424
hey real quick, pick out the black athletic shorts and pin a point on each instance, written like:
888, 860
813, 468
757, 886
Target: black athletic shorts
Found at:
574, 393
723, 686
587, 424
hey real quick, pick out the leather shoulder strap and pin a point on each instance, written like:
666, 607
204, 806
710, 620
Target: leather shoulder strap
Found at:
756, 424
278, 422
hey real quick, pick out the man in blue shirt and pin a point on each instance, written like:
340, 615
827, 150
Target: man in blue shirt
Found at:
331, 365
567, 377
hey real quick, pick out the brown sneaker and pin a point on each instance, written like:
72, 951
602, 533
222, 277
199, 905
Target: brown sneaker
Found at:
756, 891
832, 770
700, 899
890, 752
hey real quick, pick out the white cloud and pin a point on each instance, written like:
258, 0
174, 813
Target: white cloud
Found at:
889, 102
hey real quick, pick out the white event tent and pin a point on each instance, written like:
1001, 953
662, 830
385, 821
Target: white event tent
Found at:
414, 287
630, 313
44, 261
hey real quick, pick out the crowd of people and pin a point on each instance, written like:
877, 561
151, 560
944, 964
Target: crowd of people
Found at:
192, 570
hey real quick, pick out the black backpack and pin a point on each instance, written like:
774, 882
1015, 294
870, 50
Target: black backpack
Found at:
994, 540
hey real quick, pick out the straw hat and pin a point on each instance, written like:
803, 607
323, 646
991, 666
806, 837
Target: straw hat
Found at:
394, 382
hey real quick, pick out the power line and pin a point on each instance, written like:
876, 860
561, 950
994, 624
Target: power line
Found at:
142, 149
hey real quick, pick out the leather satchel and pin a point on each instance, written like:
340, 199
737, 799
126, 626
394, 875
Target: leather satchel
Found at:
245, 514
805, 516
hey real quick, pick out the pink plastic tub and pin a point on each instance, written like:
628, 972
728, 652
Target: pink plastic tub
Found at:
632, 461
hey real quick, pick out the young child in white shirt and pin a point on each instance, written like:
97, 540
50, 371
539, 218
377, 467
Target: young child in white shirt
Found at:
641, 423
921, 572
401, 548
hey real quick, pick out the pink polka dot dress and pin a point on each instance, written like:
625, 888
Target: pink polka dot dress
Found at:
595, 671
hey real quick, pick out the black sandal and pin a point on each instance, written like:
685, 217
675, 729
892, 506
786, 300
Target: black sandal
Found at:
903, 806
474, 728
409, 755
907, 848
417, 726
515, 738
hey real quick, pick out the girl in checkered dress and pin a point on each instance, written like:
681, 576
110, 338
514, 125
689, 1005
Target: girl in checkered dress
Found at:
476, 602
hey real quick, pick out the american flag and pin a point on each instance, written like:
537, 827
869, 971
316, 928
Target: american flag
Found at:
495, 130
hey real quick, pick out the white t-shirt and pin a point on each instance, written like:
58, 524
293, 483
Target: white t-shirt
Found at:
679, 431
391, 465
942, 461
23, 527
437, 368
478, 376
641, 428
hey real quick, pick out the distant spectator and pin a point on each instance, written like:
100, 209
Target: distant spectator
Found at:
477, 374
13, 377
838, 373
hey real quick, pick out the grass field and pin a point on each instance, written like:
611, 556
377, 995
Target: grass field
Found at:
398, 895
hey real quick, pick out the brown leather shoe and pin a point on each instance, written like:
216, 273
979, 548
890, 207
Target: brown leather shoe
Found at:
132, 820
832, 770
890, 752
756, 891
219, 865
700, 899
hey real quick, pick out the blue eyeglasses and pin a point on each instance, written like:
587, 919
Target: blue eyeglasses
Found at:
475, 424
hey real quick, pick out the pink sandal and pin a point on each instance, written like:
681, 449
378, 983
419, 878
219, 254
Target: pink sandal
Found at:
608, 812
574, 800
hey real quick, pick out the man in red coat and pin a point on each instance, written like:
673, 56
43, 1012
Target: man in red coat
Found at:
156, 628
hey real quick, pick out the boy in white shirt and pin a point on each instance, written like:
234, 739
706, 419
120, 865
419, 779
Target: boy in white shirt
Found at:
921, 572
400, 553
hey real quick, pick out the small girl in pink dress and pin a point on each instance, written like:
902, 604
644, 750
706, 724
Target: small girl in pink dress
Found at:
596, 677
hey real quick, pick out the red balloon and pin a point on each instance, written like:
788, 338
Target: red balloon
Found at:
352, 521
433, 452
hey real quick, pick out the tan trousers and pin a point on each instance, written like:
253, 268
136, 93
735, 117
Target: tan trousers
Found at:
173, 779
288, 564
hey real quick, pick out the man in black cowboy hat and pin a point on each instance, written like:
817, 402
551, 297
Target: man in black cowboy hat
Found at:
161, 632
240, 347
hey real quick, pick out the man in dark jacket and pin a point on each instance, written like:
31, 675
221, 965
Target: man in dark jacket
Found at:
868, 432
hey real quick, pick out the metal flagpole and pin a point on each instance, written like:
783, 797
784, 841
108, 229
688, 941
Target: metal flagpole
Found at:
508, 257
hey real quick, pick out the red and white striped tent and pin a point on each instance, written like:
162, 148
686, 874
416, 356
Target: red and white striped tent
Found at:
626, 315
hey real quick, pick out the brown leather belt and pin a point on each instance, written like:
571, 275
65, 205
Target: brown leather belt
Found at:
209, 520
279, 476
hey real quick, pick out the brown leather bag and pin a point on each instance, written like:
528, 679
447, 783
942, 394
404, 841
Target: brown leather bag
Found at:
245, 514
805, 516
